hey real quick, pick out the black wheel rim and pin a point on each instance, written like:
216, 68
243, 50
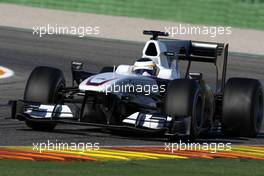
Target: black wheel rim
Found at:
58, 97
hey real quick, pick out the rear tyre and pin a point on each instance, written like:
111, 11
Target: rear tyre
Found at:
184, 99
43, 86
242, 107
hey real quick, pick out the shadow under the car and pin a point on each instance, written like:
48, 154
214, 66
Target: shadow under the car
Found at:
158, 137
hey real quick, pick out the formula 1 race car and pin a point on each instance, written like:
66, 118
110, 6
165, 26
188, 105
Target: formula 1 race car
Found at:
149, 96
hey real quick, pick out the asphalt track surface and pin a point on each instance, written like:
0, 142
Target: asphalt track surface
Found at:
21, 51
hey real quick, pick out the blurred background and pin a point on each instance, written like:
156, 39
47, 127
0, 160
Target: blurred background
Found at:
235, 13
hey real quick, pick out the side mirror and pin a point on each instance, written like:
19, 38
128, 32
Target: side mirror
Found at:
76, 65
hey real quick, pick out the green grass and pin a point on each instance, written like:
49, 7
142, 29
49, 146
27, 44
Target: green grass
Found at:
190, 167
236, 13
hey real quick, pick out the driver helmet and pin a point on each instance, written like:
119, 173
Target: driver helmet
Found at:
145, 67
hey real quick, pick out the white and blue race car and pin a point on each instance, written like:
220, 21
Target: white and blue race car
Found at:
150, 95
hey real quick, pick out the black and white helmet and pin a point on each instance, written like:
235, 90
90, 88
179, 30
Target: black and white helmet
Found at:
145, 67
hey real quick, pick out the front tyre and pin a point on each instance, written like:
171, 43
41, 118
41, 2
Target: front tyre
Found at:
242, 107
43, 86
184, 99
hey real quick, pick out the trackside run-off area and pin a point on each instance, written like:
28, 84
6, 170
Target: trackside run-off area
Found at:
5, 72
236, 13
198, 167
242, 160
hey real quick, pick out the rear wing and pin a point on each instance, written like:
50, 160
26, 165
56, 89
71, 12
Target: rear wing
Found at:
205, 51
215, 53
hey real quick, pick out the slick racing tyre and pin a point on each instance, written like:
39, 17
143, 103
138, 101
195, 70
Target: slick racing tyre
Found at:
43, 86
184, 99
242, 107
